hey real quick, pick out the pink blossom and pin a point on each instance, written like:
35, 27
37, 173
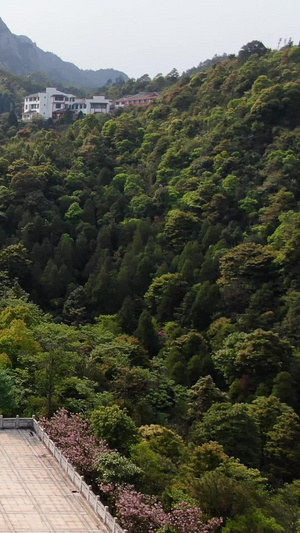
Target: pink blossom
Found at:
187, 519
144, 514
74, 436
138, 512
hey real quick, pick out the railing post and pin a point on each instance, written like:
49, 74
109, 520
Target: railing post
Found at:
17, 422
96, 502
81, 483
105, 513
114, 526
89, 493
1, 421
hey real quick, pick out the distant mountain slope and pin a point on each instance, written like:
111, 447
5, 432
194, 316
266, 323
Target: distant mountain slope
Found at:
18, 54
13, 88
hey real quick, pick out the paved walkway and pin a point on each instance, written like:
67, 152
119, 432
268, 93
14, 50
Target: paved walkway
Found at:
36, 496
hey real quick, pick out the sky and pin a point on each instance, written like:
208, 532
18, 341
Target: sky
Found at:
149, 36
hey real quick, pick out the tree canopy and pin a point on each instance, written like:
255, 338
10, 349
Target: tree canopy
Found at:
150, 288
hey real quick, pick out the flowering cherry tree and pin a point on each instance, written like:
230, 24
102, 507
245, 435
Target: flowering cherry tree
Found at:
74, 436
187, 519
140, 513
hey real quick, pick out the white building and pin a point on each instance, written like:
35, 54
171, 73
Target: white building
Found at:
90, 106
53, 104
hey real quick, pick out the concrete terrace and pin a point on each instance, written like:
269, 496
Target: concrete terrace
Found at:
36, 496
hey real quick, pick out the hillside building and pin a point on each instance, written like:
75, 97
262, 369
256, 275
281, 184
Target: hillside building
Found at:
53, 104
140, 99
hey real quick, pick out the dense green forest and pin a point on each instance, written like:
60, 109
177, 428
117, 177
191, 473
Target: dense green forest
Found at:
120, 88
150, 280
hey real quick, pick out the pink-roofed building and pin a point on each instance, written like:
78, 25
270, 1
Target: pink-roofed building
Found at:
140, 99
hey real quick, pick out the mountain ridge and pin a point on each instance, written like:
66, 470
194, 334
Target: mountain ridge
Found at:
20, 55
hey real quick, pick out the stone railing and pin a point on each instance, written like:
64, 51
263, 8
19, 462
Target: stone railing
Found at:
16, 423
94, 501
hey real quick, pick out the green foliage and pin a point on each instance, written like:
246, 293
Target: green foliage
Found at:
7, 392
164, 294
222, 493
164, 441
115, 468
254, 47
278, 426
207, 458
163, 242
18, 342
74, 212
283, 448
14, 259
158, 471
187, 358
115, 426
234, 428
254, 355
202, 396
179, 226
146, 333
285, 507
252, 523
243, 269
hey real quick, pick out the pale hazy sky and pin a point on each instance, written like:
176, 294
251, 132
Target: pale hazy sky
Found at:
149, 36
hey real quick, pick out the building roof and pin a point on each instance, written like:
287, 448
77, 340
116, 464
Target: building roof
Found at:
138, 96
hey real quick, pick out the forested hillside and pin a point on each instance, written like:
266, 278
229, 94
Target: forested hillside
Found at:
13, 89
151, 282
